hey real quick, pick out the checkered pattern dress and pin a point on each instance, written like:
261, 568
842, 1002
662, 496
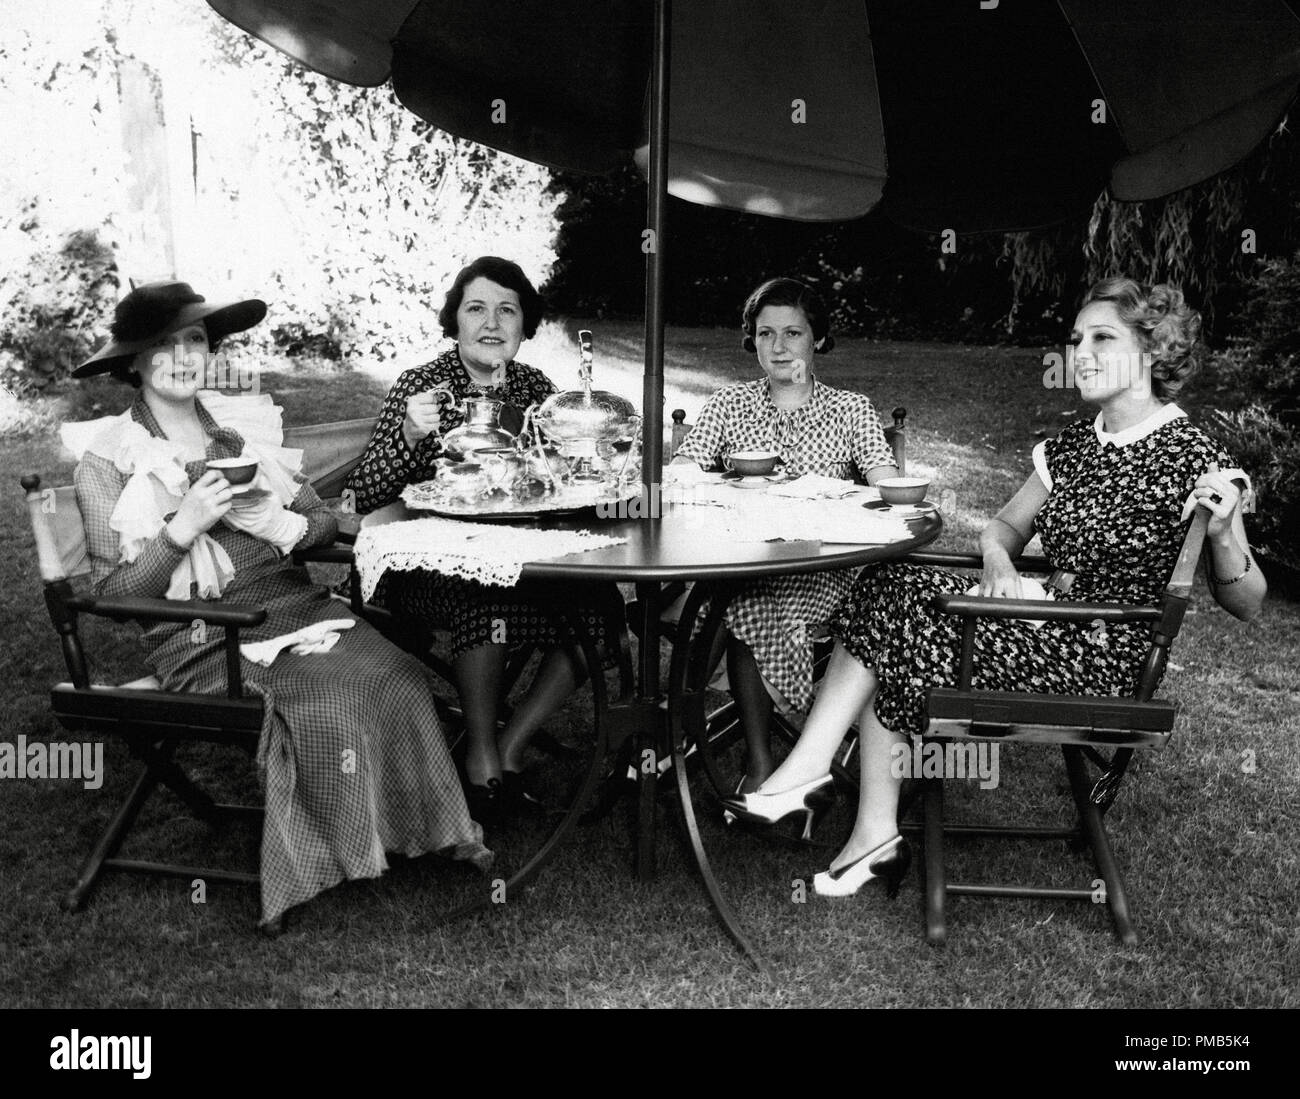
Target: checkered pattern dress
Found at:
1112, 517
835, 434
352, 755
473, 614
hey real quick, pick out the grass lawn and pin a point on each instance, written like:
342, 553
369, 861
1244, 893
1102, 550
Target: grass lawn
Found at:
1206, 831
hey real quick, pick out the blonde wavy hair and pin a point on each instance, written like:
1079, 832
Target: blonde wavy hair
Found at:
1166, 326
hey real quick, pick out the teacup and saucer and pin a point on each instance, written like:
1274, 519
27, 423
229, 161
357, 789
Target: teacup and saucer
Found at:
751, 468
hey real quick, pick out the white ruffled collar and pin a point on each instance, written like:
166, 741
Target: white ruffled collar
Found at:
156, 479
1166, 414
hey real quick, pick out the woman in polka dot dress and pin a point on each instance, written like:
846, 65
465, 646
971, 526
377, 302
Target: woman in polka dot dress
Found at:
490, 309
1107, 497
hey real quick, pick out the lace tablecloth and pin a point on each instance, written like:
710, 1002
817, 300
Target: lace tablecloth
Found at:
486, 552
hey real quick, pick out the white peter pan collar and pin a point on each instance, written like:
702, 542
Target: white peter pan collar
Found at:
1167, 414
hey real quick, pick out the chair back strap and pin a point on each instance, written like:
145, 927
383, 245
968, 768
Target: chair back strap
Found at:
331, 451
57, 529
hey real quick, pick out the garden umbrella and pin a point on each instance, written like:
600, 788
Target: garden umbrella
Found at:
951, 115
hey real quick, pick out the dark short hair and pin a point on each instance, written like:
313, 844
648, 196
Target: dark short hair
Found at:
123, 370
794, 293
503, 272
1165, 325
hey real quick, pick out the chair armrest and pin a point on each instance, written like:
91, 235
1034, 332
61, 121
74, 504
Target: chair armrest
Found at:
1028, 563
334, 554
1049, 610
122, 607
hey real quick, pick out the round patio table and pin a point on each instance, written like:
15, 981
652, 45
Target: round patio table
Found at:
678, 545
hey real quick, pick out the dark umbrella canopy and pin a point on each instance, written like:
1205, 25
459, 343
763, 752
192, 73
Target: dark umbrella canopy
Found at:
962, 115
954, 115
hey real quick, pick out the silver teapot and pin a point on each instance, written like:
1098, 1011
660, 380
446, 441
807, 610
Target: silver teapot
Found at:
481, 430
580, 420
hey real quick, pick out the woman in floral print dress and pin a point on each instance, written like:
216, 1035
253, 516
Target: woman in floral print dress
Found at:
815, 429
1107, 497
490, 309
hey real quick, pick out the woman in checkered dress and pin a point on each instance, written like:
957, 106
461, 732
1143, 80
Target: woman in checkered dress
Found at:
490, 309
815, 429
352, 754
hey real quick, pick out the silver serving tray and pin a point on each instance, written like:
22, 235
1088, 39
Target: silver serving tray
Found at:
499, 507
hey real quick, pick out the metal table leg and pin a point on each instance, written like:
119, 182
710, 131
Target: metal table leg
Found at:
691, 659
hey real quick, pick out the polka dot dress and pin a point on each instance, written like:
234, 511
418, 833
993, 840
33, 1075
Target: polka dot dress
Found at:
474, 614
1112, 517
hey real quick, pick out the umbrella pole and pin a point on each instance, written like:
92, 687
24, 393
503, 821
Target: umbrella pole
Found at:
649, 728
652, 394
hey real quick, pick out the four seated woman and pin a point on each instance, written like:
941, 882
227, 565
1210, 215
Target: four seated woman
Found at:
159, 523
815, 429
1110, 498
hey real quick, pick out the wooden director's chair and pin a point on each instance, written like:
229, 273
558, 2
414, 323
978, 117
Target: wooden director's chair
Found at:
1097, 735
155, 724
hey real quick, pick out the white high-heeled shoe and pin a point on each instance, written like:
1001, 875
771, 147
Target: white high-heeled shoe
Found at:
888, 862
812, 799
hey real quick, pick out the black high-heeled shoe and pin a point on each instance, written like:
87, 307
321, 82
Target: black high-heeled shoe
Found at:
812, 799
517, 798
485, 802
888, 862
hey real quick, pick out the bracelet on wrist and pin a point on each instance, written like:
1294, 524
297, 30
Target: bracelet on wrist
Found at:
1218, 583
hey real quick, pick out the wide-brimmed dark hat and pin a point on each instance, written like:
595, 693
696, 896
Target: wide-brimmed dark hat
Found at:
155, 308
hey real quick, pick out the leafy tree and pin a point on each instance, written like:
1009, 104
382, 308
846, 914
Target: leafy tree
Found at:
344, 210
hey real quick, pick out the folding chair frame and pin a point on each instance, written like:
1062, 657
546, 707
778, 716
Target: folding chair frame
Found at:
1084, 726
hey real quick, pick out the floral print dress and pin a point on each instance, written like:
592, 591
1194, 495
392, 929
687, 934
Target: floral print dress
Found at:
836, 433
1112, 517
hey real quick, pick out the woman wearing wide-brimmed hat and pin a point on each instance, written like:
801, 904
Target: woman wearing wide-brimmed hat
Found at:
159, 522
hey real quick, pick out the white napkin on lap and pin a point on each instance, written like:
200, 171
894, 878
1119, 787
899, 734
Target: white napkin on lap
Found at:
1029, 589
319, 637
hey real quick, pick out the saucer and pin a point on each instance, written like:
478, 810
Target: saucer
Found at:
250, 488
751, 482
903, 511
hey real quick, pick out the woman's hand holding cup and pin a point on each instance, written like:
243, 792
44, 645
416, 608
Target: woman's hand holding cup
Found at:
203, 506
